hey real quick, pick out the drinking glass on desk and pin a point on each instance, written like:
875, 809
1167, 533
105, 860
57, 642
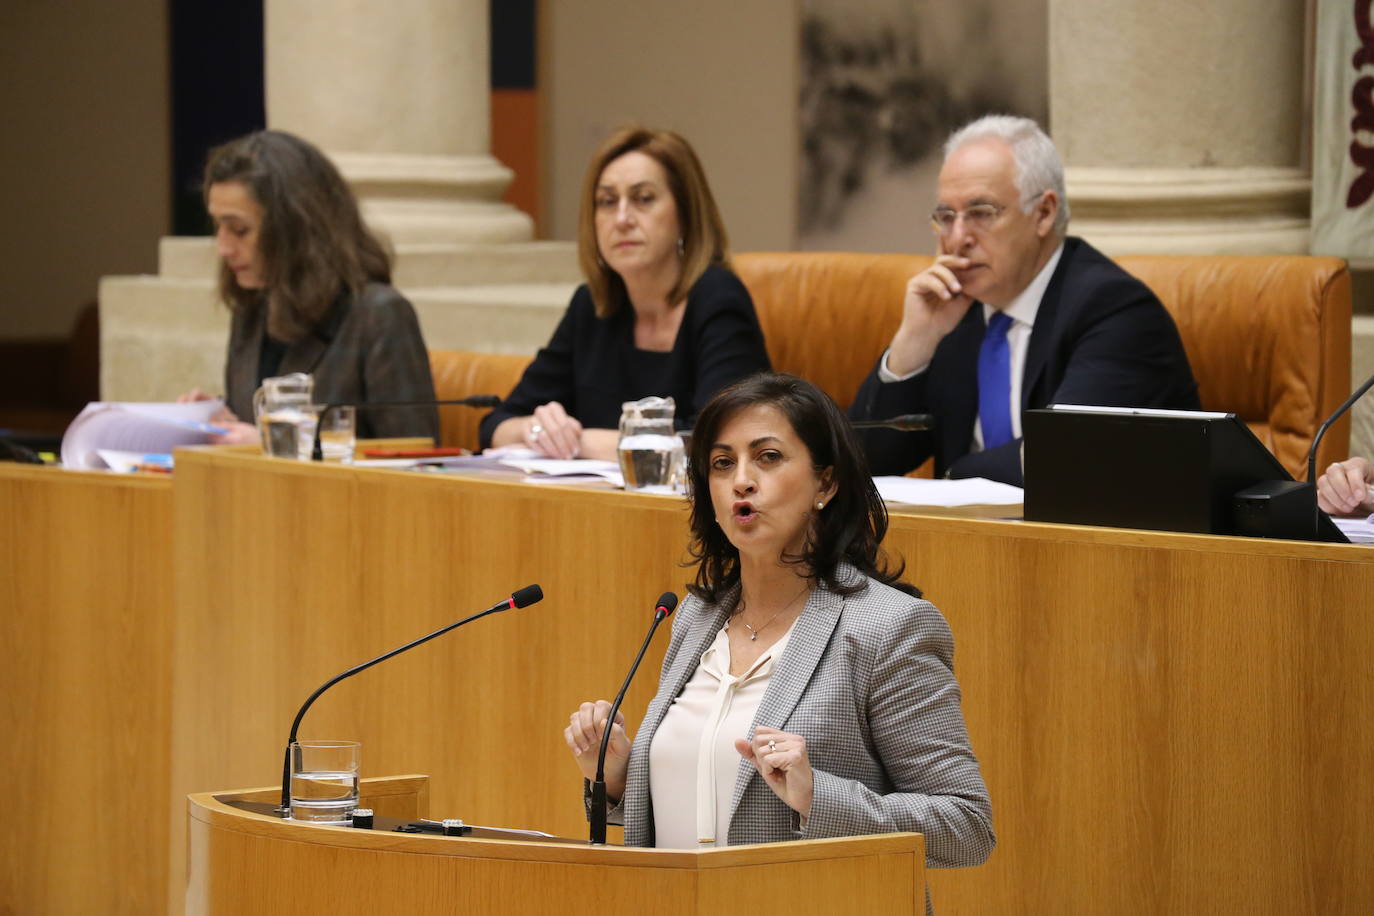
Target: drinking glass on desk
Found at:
651, 452
285, 415
338, 432
324, 780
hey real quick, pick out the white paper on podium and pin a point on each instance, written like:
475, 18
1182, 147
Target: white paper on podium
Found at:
949, 494
567, 470
1359, 530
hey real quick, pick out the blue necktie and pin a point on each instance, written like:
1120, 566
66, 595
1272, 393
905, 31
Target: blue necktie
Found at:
994, 382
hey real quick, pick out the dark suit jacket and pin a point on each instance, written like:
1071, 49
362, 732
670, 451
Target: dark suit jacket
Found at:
365, 349
1100, 338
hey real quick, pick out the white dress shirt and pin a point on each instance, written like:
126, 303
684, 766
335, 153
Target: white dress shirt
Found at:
1022, 312
692, 760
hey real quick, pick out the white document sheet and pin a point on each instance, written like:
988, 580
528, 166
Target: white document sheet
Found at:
1359, 530
135, 427
972, 491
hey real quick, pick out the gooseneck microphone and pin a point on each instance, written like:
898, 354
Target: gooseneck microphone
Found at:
907, 422
667, 602
522, 598
1321, 431
477, 400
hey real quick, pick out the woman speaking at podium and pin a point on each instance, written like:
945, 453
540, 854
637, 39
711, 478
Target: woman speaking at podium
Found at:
660, 313
309, 287
807, 691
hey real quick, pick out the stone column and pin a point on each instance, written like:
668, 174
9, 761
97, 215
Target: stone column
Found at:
397, 92
1182, 124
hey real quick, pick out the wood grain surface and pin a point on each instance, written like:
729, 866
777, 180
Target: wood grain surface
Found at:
244, 863
1167, 723
86, 627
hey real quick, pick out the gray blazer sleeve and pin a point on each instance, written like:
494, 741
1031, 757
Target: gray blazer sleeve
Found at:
912, 723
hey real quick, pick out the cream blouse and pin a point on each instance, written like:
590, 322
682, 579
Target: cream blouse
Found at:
692, 760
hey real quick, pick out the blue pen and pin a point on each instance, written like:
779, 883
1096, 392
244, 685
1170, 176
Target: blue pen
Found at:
202, 427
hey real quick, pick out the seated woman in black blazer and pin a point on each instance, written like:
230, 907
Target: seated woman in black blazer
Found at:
660, 313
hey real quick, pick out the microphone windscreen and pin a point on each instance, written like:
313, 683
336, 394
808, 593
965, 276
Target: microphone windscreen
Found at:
527, 596
667, 602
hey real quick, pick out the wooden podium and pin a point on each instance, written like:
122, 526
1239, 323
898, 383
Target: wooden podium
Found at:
244, 862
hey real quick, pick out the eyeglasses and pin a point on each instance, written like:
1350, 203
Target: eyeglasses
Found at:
978, 217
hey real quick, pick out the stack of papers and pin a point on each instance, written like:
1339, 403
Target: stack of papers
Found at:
148, 427
565, 471
535, 467
1359, 530
970, 496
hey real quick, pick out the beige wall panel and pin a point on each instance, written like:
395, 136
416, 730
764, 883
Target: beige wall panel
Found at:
85, 151
721, 72
324, 81
1178, 84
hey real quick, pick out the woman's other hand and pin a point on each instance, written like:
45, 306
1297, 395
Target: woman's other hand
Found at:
1344, 488
583, 735
551, 431
780, 758
236, 432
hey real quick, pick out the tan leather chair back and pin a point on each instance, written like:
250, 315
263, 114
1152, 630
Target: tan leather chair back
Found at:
828, 316
1268, 338
461, 373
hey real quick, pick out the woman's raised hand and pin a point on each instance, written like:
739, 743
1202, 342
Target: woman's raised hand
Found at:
780, 757
583, 735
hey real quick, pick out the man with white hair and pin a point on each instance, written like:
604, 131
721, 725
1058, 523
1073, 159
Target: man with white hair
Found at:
1013, 315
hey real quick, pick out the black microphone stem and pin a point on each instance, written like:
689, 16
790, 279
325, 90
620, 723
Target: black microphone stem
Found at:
907, 422
526, 596
598, 811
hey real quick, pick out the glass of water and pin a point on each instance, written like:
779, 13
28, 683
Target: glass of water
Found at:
650, 450
288, 432
324, 780
338, 432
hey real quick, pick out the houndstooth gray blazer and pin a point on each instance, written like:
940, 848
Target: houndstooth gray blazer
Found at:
868, 681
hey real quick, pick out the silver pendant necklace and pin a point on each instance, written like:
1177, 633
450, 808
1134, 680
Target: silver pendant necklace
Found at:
755, 631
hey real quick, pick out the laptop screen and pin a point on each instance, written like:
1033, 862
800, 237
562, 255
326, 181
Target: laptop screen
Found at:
1168, 470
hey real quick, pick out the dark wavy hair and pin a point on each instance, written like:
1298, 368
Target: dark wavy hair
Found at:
313, 241
850, 527
704, 242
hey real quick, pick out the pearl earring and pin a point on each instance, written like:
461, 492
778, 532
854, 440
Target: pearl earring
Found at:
819, 505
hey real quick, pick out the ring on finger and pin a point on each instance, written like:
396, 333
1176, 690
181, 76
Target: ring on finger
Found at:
536, 431
772, 745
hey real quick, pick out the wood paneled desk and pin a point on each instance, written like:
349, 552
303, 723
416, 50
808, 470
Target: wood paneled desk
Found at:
85, 689
1167, 723
247, 863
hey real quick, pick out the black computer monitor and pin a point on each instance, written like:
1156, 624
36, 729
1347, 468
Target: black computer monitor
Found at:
1169, 470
